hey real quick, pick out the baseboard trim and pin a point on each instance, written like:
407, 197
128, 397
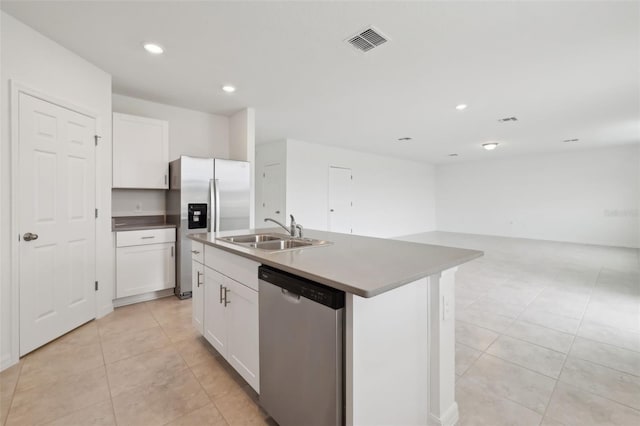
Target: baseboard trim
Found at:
7, 361
449, 418
145, 297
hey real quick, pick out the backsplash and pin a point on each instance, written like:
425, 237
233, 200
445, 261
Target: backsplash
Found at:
138, 202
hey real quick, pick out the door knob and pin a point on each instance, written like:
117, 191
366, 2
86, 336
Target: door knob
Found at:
29, 236
331, 210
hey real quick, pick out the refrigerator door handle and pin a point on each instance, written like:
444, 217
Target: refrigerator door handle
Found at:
216, 186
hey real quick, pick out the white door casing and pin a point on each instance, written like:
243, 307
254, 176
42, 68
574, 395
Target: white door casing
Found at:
340, 200
56, 201
272, 192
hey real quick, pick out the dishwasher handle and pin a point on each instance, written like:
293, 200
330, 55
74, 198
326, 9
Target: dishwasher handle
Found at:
290, 296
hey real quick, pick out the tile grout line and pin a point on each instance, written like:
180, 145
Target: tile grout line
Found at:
13, 394
555, 387
106, 374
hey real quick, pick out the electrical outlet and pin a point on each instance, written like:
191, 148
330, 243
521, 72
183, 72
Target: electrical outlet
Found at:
446, 308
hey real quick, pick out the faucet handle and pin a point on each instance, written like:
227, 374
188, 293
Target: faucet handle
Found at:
293, 219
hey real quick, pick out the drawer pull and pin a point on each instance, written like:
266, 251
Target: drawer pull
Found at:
195, 252
147, 238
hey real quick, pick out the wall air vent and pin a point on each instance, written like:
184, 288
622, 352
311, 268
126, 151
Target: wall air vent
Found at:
367, 39
507, 119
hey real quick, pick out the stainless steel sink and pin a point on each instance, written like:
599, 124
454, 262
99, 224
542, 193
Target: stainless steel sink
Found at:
281, 245
273, 242
253, 238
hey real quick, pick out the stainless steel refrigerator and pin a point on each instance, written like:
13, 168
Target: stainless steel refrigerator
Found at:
205, 195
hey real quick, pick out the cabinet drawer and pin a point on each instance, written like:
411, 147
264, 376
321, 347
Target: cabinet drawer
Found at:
151, 236
197, 252
233, 266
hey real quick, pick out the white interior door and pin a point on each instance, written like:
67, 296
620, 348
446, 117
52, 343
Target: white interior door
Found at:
56, 194
273, 192
340, 200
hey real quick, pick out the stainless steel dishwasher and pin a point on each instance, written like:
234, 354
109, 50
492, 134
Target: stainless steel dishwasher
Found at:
301, 350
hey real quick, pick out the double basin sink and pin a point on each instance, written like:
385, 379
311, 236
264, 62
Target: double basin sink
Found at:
273, 241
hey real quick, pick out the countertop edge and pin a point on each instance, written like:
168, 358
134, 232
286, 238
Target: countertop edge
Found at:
141, 228
335, 284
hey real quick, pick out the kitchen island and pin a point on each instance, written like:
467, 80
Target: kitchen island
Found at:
399, 317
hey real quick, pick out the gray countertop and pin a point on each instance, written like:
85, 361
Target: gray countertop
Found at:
137, 223
364, 266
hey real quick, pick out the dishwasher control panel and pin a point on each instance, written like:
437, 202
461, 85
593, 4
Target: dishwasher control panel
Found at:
303, 287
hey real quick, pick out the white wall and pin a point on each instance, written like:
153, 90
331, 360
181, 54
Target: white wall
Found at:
266, 154
43, 65
589, 196
391, 197
242, 147
193, 133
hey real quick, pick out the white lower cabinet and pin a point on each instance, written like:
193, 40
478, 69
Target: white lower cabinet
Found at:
229, 315
215, 313
242, 331
145, 262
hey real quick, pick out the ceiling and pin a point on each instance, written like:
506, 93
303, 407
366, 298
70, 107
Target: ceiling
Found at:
564, 69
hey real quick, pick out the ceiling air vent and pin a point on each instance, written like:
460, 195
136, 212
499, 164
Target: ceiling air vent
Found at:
367, 39
507, 119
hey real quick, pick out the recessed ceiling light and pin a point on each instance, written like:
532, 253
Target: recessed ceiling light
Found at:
490, 146
228, 88
571, 140
461, 107
405, 139
453, 155
154, 49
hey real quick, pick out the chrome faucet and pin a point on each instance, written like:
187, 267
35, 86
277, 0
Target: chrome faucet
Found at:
294, 229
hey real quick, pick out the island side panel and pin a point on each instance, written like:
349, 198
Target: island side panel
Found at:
386, 357
443, 409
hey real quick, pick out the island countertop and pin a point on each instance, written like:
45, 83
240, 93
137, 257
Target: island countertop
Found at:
364, 266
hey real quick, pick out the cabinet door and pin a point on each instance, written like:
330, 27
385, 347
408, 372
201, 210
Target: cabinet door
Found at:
140, 152
145, 268
215, 321
242, 314
197, 295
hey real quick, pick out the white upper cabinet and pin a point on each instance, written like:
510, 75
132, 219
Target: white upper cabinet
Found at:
140, 152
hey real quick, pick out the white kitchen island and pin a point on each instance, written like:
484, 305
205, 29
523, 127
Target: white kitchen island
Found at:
399, 318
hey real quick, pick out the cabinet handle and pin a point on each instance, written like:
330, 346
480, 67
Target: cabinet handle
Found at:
165, 179
277, 211
226, 297
195, 252
220, 293
171, 251
198, 279
147, 238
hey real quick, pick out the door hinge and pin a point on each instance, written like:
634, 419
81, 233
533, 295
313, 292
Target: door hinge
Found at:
263, 175
96, 285
96, 213
95, 138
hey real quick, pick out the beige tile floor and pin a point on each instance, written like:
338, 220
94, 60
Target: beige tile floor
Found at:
141, 365
547, 334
